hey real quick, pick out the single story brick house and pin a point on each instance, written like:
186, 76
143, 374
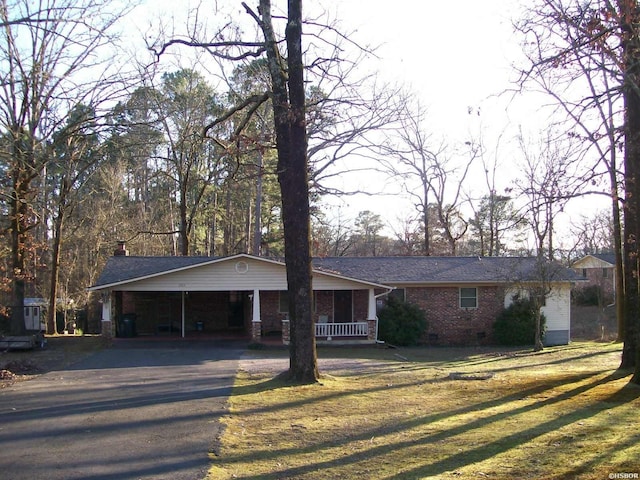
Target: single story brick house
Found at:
246, 295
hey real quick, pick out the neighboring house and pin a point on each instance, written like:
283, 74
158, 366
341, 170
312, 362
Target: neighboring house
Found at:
247, 295
598, 269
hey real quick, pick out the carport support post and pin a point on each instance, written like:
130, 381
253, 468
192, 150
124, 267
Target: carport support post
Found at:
372, 319
256, 322
183, 314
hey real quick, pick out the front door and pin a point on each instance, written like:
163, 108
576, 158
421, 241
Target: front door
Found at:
343, 306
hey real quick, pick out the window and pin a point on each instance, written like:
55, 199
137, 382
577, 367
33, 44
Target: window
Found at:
398, 294
605, 273
469, 297
584, 272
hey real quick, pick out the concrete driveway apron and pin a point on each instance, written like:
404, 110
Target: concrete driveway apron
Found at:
133, 411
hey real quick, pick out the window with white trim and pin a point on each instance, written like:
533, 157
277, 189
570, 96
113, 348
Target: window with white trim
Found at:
468, 297
399, 294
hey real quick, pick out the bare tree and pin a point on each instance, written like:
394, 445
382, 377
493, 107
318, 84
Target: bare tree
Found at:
548, 181
288, 98
429, 174
593, 233
576, 55
50, 64
331, 237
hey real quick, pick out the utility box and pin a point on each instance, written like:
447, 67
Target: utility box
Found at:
34, 314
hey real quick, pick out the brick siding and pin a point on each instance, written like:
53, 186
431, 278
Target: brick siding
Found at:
448, 324
597, 276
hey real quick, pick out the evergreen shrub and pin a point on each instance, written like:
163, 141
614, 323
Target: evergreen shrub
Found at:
516, 324
401, 323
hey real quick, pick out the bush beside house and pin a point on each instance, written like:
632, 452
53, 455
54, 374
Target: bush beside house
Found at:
401, 323
516, 324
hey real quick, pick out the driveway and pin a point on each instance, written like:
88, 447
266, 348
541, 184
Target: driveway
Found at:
136, 410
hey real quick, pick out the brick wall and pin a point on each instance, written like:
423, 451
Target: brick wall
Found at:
269, 314
360, 305
324, 304
448, 324
603, 277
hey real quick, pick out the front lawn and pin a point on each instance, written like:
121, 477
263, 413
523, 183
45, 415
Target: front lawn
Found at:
417, 413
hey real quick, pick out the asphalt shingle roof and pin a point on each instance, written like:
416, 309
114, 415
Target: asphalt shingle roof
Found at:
606, 257
383, 270
391, 270
122, 268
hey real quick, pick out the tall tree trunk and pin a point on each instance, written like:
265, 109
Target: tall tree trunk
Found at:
184, 226
214, 226
425, 220
291, 141
228, 221
19, 215
631, 59
257, 226
55, 266
538, 345
619, 270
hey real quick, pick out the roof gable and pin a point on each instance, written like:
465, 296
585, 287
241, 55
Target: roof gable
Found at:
596, 260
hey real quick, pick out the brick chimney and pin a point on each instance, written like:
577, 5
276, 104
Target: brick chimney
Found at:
121, 249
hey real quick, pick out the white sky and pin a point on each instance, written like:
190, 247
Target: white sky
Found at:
455, 55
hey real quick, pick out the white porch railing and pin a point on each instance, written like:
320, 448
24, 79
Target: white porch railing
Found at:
353, 329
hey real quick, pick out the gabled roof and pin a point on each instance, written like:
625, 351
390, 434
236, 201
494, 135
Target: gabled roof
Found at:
443, 270
373, 270
596, 260
125, 268
606, 257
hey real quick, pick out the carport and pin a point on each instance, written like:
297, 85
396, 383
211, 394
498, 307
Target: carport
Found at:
240, 294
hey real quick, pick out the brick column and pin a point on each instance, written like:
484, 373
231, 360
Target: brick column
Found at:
108, 324
286, 338
371, 335
256, 320
107, 329
256, 331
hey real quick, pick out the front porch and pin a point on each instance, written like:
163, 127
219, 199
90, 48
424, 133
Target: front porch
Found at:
336, 314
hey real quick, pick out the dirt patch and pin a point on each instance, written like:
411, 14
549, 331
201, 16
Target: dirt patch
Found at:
59, 352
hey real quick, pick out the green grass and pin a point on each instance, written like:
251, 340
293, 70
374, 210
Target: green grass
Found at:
561, 413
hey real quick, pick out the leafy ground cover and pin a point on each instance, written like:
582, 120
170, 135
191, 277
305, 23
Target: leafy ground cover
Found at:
60, 351
563, 413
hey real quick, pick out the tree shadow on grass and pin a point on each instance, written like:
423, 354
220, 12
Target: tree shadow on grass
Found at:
483, 452
457, 460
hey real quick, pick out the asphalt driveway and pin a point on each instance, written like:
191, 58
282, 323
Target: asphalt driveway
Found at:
129, 412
